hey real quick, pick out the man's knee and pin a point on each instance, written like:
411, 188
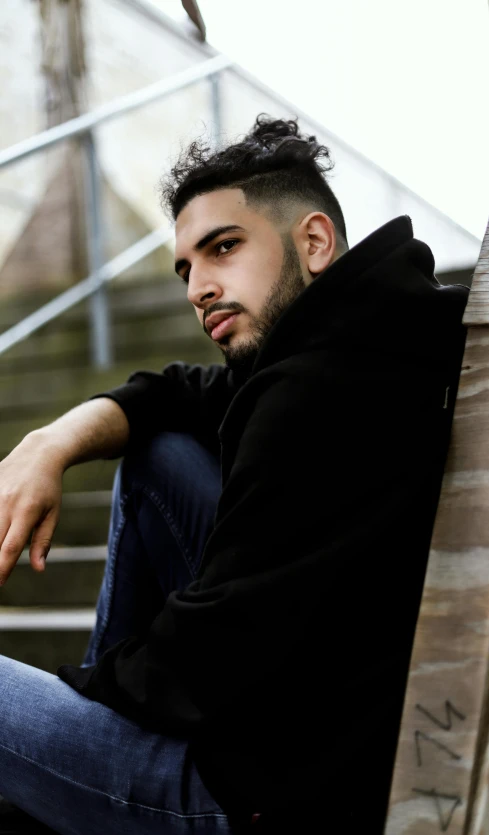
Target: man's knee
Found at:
176, 458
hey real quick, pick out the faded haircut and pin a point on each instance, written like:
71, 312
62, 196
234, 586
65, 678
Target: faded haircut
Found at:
275, 165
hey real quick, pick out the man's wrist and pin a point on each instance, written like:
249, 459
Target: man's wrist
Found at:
90, 431
48, 441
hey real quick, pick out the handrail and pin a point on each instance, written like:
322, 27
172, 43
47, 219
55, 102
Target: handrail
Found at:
94, 285
115, 108
85, 288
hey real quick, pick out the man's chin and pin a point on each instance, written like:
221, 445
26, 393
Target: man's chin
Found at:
240, 362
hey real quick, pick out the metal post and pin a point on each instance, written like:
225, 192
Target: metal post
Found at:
216, 109
100, 342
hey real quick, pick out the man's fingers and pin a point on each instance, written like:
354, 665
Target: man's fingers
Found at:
41, 541
12, 547
39, 551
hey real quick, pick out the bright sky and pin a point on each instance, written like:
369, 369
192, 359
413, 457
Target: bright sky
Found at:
407, 84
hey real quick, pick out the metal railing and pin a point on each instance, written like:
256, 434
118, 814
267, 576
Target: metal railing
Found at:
94, 286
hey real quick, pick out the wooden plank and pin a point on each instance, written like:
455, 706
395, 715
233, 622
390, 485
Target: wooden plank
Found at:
477, 310
441, 774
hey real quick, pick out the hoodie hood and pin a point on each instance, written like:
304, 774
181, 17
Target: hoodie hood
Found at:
380, 295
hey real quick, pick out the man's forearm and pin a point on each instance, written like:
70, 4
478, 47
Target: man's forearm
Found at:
92, 430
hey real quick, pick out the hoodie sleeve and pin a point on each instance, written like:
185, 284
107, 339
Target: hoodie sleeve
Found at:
182, 397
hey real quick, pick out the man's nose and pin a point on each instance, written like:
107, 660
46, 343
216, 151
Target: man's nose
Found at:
201, 288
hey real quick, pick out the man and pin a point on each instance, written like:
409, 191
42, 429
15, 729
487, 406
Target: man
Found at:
274, 666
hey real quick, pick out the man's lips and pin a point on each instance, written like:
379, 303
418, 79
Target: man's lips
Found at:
216, 319
218, 330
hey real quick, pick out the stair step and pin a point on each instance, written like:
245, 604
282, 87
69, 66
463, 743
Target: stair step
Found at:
88, 498
72, 577
48, 348
48, 648
124, 300
133, 349
93, 553
82, 525
92, 475
69, 384
86, 384
38, 398
42, 618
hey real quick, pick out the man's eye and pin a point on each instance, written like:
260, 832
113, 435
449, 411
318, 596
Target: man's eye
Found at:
232, 241
228, 246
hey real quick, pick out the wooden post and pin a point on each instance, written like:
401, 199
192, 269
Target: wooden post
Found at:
63, 59
64, 70
441, 774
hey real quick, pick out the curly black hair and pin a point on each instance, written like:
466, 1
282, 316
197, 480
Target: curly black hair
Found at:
274, 164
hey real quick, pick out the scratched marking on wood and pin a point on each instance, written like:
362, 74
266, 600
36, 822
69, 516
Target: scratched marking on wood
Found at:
441, 774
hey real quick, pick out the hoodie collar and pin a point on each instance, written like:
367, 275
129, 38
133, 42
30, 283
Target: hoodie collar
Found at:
298, 325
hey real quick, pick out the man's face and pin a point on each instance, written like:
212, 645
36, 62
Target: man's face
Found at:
235, 260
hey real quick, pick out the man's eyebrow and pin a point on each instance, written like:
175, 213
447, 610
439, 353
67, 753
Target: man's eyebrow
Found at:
208, 237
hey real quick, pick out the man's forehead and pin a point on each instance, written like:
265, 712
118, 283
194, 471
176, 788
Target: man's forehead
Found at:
223, 207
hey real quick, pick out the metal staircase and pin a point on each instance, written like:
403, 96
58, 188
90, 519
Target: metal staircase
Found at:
56, 353
45, 618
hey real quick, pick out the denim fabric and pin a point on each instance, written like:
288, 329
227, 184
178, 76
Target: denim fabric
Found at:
163, 505
75, 764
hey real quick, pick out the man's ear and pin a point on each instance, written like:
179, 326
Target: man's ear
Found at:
315, 239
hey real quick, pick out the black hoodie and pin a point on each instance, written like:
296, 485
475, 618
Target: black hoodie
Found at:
285, 662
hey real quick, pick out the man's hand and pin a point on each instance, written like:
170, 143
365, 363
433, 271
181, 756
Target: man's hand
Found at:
30, 500
31, 476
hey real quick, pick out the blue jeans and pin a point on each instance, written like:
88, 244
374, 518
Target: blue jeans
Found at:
73, 763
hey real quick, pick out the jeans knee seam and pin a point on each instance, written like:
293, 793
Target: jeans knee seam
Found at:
167, 515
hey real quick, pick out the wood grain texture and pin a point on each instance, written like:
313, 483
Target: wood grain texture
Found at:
441, 774
477, 310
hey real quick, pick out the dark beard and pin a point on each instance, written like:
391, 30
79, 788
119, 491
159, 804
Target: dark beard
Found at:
290, 283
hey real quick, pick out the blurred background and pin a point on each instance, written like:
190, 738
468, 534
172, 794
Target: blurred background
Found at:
97, 98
